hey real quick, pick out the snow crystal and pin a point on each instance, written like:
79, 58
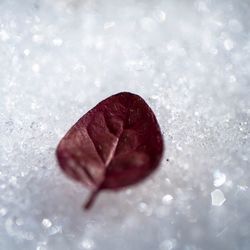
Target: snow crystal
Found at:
46, 223
218, 198
167, 199
219, 178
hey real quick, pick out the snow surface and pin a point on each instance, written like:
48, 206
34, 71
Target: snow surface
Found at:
190, 60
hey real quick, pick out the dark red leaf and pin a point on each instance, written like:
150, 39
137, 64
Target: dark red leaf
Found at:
116, 144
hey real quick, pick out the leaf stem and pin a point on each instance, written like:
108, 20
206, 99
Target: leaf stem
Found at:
91, 199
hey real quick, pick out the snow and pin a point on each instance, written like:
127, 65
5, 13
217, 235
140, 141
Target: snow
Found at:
190, 60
